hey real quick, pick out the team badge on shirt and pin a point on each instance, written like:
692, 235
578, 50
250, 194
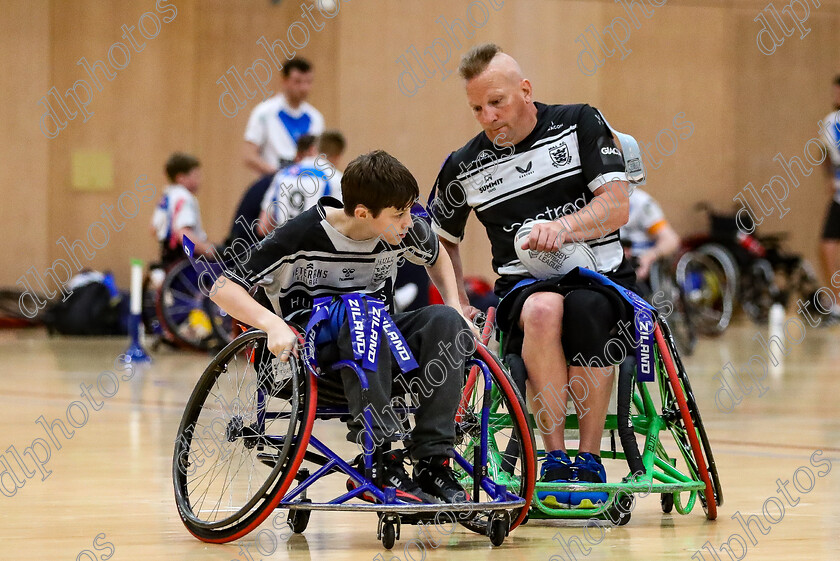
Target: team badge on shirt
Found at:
559, 155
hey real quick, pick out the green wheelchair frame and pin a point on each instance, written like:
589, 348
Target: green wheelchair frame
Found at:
692, 471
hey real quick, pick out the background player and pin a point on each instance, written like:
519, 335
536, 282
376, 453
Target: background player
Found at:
276, 124
648, 234
830, 240
178, 214
298, 187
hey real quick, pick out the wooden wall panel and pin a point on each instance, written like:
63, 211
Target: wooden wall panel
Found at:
24, 57
681, 62
145, 112
779, 99
695, 57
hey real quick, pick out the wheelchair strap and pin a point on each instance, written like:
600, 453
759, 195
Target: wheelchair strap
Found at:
398, 344
367, 319
643, 317
320, 312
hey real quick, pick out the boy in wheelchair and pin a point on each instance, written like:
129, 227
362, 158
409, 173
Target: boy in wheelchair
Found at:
336, 249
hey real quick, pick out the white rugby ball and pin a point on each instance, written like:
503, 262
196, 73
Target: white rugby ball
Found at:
548, 264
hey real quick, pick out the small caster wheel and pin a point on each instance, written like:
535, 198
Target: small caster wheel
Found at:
619, 512
526, 519
299, 519
498, 527
667, 502
389, 535
497, 531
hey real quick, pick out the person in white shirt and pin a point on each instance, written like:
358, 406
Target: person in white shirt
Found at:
276, 124
650, 236
178, 214
298, 187
830, 238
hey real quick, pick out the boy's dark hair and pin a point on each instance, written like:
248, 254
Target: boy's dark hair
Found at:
305, 142
331, 143
296, 63
837, 80
476, 60
178, 163
377, 180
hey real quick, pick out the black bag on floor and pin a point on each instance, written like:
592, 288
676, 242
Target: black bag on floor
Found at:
89, 310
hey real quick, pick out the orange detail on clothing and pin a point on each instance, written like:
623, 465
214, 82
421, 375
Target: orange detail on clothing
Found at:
656, 227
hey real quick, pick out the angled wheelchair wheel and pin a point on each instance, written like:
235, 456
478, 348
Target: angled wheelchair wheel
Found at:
511, 450
675, 306
184, 312
682, 417
242, 437
709, 278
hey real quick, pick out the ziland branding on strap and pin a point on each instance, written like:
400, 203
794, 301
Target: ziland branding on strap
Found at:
642, 323
366, 323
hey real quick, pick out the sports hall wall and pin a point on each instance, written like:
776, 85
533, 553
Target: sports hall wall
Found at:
697, 58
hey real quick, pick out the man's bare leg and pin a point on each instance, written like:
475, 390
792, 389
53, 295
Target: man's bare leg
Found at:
541, 321
592, 408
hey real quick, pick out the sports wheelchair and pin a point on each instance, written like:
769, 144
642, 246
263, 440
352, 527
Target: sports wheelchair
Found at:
681, 465
245, 447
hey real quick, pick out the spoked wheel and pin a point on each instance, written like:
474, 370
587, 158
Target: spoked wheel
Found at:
241, 440
680, 412
709, 278
679, 316
511, 458
183, 309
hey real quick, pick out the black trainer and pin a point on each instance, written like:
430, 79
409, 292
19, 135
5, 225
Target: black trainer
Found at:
393, 475
436, 478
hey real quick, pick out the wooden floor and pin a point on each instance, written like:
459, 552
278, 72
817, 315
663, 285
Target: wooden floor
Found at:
113, 477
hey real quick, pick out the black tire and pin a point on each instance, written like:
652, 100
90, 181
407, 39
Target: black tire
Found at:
389, 535
620, 511
497, 530
667, 502
299, 519
225, 425
511, 436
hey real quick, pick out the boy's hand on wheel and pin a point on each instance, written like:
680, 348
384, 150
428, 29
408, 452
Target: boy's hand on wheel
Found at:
281, 340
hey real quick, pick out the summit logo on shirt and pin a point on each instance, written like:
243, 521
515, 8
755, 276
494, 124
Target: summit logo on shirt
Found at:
489, 184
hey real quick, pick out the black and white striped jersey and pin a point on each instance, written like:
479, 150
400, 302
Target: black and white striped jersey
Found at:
306, 258
550, 173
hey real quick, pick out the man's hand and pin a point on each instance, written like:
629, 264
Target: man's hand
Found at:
546, 236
